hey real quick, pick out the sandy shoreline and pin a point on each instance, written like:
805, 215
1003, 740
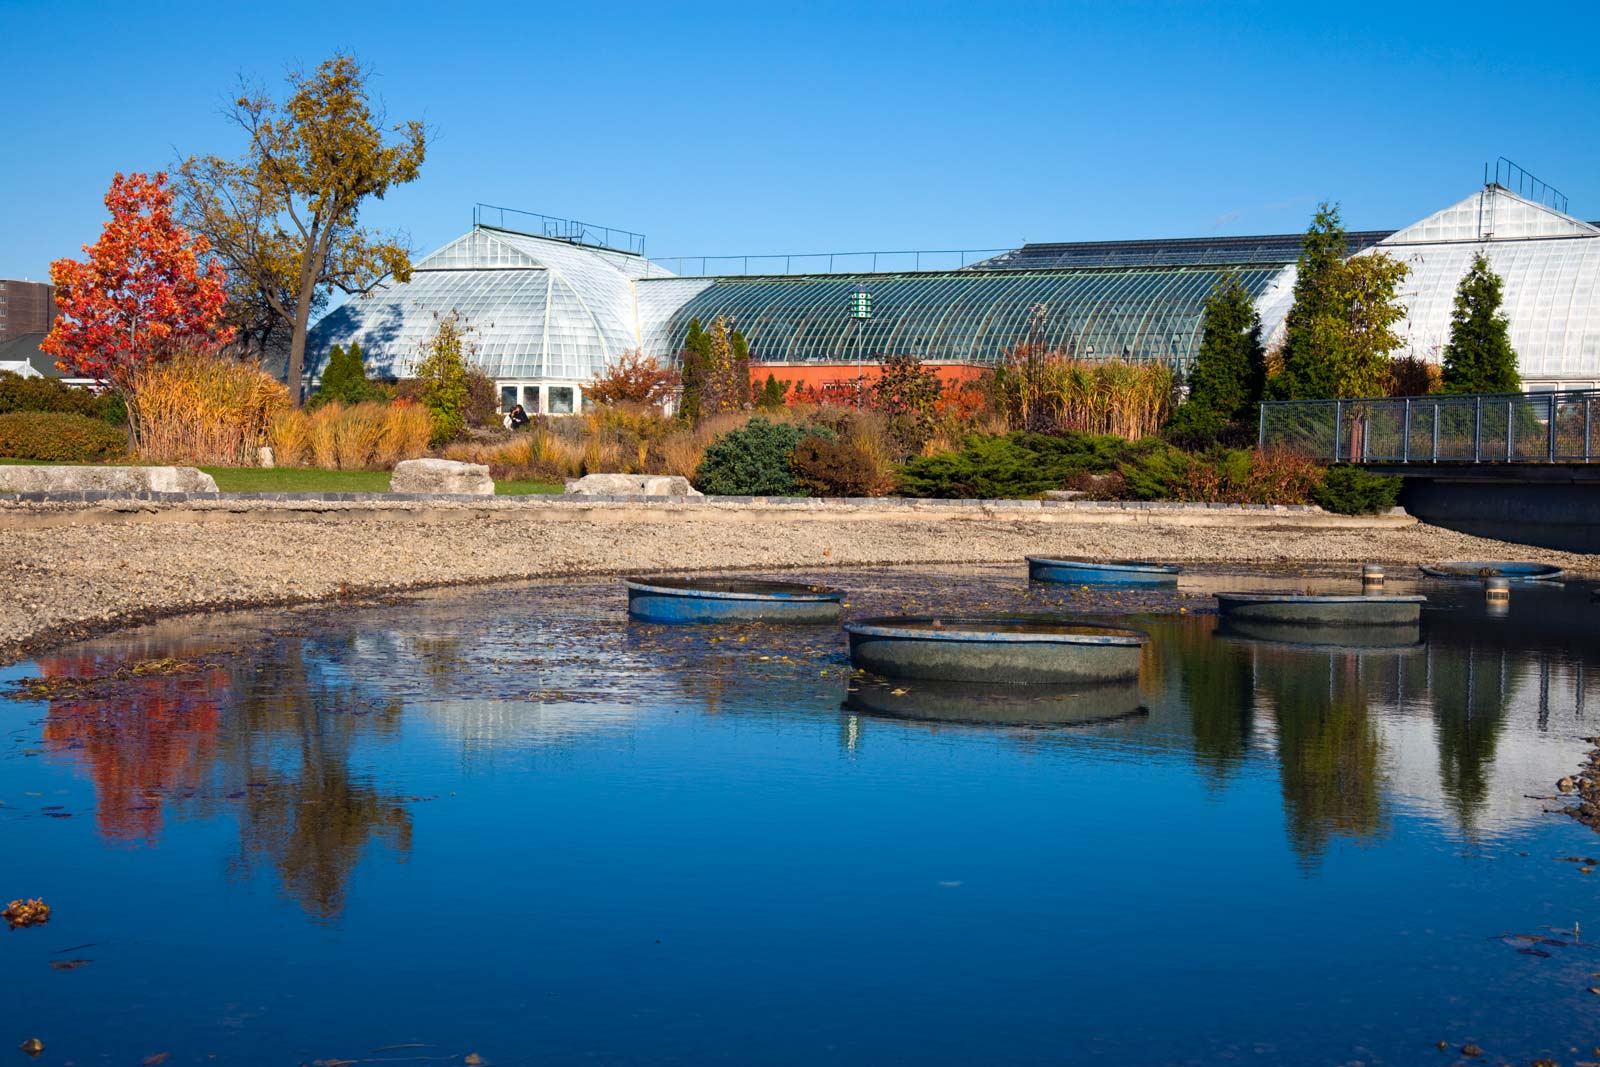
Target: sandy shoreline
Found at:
61, 583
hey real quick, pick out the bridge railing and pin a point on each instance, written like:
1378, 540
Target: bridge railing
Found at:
1556, 427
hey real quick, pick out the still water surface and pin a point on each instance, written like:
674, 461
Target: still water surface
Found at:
509, 823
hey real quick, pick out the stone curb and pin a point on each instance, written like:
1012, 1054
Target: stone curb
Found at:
561, 500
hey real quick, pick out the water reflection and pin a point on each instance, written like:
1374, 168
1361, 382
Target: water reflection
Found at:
151, 738
651, 814
268, 735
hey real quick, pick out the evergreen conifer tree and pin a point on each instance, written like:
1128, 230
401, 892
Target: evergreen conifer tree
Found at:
1479, 357
741, 360
333, 374
1229, 371
695, 363
1305, 373
1340, 331
772, 394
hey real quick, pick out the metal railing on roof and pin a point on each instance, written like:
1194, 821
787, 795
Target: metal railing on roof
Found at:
1509, 176
1555, 427
893, 262
573, 231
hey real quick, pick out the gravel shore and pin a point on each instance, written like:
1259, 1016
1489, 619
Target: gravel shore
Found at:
68, 581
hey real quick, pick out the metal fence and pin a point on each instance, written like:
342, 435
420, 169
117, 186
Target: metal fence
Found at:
898, 262
1480, 428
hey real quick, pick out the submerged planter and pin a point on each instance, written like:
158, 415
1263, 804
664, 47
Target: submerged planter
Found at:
672, 599
1391, 637
1516, 572
1002, 649
1301, 609
984, 704
1109, 572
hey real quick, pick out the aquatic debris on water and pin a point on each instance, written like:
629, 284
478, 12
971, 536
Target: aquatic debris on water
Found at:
22, 913
33, 1046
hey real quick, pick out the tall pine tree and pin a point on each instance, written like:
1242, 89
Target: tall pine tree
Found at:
741, 360
1479, 357
1305, 373
694, 365
1226, 379
1340, 331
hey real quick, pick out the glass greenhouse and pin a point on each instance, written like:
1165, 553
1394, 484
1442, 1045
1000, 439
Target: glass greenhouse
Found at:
546, 314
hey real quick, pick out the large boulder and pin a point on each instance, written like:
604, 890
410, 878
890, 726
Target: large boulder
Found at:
441, 476
631, 485
44, 479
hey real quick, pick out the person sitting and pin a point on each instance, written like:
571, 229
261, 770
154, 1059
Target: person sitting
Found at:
517, 419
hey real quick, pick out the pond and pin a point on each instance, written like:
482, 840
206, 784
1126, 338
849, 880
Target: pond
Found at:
509, 826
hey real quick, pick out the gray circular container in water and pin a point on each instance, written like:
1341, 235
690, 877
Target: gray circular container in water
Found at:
1508, 569
1001, 649
984, 704
1395, 637
678, 599
1305, 609
1105, 572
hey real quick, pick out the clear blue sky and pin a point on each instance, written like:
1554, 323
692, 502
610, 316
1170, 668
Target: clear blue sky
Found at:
758, 128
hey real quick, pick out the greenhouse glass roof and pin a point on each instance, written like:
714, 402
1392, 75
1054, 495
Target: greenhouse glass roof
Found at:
944, 316
533, 307
550, 308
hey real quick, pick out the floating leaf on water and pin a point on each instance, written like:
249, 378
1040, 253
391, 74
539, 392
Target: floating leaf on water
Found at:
156, 1058
22, 913
473, 1059
67, 965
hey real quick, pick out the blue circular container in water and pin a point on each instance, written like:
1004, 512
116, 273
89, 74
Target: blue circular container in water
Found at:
1507, 569
675, 599
1108, 572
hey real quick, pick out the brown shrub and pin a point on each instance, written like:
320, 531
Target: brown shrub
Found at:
834, 467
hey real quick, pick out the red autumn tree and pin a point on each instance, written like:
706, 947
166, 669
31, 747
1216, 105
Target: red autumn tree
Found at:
141, 295
633, 378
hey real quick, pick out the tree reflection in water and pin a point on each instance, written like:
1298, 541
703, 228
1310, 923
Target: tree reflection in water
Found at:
1470, 686
288, 743
280, 756
1329, 756
1218, 689
150, 738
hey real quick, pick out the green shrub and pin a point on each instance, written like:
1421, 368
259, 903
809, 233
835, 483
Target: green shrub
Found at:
828, 467
1022, 465
1352, 491
754, 460
60, 436
48, 394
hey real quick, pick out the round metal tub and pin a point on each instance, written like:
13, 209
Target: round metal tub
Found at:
1108, 572
1507, 569
998, 649
984, 704
672, 599
1396, 637
1299, 609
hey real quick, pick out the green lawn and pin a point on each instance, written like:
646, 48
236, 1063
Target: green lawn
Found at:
314, 480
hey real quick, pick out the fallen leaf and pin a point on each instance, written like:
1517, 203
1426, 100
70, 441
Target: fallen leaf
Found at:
156, 1058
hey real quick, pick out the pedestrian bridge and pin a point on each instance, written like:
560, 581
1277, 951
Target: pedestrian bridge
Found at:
1521, 467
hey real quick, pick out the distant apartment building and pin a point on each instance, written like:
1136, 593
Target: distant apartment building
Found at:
25, 307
